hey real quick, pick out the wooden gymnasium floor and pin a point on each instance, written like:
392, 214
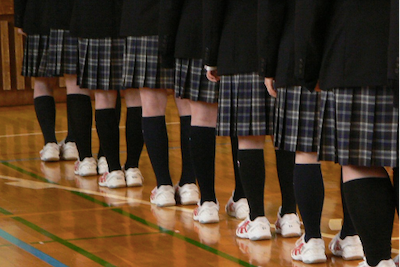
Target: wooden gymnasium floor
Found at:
49, 216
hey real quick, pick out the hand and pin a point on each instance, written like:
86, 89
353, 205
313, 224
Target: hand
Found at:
269, 83
20, 31
213, 76
317, 88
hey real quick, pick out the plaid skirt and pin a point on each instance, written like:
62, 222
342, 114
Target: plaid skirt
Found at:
191, 81
62, 53
296, 119
244, 106
141, 65
359, 126
35, 56
100, 63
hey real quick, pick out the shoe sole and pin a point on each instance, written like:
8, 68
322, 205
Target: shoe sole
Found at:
293, 234
189, 202
262, 237
86, 174
309, 261
134, 184
206, 221
50, 159
167, 204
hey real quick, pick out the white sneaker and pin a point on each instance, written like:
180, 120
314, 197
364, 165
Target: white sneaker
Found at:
114, 179
102, 165
163, 196
382, 263
188, 194
288, 225
68, 151
396, 260
133, 177
239, 209
259, 229
86, 167
207, 212
311, 252
349, 248
50, 152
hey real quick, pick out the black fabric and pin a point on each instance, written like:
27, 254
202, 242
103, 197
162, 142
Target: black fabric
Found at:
58, 14
70, 135
371, 205
202, 149
140, 17
343, 61
108, 131
230, 36
80, 114
118, 114
252, 174
309, 192
30, 16
96, 18
45, 109
180, 35
284, 167
276, 41
134, 137
239, 192
156, 139
396, 187
348, 226
188, 176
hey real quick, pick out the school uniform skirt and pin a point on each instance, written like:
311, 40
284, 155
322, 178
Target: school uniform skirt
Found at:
191, 82
101, 63
62, 53
359, 126
141, 65
296, 119
244, 106
35, 56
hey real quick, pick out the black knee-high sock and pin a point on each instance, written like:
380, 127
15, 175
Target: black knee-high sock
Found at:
347, 227
202, 151
81, 114
188, 176
70, 135
108, 131
45, 109
284, 166
252, 173
156, 140
396, 187
239, 192
371, 205
309, 192
100, 153
134, 136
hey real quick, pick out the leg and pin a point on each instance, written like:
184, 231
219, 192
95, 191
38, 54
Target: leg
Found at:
202, 149
79, 110
45, 109
154, 103
188, 176
370, 199
252, 173
134, 137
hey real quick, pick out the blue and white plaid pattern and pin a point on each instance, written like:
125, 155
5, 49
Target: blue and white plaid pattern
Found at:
35, 56
244, 106
141, 65
191, 81
359, 126
296, 119
101, 63
62, 53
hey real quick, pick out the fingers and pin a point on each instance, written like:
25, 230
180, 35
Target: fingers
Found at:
269, 83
